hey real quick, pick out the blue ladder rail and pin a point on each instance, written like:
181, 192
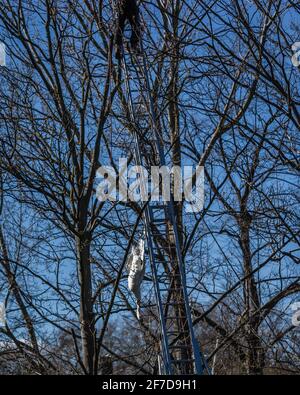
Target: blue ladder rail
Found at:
180, 351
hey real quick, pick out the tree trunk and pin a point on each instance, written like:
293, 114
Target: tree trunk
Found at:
87, 323
174, 125
255, 354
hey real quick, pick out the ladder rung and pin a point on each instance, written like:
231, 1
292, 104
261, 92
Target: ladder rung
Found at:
160, 254
168, 276
158, 249
180, 346
158, 206
174, 303
159, 221
157, 209
178, 361
177, 333
167, 232
170, 289
165, 216
158, 231
160, 228
166, 288
160, 258
158, 234
173, 288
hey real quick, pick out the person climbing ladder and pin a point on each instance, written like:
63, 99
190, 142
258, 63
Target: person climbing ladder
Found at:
128, 10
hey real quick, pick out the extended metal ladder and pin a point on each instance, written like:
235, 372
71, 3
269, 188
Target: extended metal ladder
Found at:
180, 351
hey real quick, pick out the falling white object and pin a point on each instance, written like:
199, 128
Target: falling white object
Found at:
136, 271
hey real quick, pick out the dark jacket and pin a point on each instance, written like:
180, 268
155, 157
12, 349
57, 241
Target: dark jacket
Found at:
128, 10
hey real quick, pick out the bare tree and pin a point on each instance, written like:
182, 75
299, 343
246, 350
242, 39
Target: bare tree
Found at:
226, 97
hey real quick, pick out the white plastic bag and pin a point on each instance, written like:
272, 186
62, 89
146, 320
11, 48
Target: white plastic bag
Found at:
136, 270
